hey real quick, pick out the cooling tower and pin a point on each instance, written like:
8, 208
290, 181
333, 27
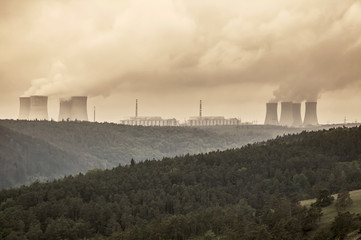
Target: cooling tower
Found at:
286, 114
79, 108
311, 114
38, 108
297, 119
24, 108
271, 114
64, 110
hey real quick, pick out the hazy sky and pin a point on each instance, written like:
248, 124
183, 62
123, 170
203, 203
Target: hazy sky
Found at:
235, 55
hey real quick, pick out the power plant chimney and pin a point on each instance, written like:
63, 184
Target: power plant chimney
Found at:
24, 108
286, 114
79, 108
297, 119
136, 108
271, 114
200, 108
65, 109
94, 113
311, 114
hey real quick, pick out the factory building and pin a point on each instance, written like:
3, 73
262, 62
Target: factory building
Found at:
212, 121
149, 121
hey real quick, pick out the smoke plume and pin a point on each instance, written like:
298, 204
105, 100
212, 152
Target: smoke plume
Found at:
300, 48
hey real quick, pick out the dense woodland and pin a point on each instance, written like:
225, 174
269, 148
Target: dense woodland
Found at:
46, 150
247, 193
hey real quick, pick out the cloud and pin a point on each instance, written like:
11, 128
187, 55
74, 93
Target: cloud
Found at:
302, 49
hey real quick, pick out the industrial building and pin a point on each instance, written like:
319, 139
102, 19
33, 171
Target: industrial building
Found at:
211, 120
148, 121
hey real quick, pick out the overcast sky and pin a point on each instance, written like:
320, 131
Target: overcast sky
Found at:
236, 55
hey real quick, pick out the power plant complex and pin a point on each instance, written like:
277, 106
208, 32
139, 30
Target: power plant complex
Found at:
75, 109
291, 114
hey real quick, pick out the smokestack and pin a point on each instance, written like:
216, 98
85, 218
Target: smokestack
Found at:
286, 114
79, 108
136, 108
64, 110
311, 114
24, 108
200, 108
271, 114
38, 108
297, 119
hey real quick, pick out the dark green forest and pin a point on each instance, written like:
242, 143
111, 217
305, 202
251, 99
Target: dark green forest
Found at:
46, 150
247, 193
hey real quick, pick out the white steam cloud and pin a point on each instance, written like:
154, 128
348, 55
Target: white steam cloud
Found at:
302, 48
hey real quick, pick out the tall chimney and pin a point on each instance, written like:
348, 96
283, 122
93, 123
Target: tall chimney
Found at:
24, 108
79, 108
200, 108
136, 108
297, 119
271, 114
286, 114
38, 108
311, 114
64, 109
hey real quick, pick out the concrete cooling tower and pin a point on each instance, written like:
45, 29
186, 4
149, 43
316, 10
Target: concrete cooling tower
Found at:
73, 109
79, 108
297, 119
64, 110
38, 108
271, 114
286, 114
24, 108
311, 114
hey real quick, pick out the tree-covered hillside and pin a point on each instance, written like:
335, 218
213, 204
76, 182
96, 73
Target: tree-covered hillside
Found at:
247, 193
26, 159
105, 145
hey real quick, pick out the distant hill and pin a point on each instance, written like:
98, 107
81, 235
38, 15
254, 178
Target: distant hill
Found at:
24, 159
247, 193
64, 148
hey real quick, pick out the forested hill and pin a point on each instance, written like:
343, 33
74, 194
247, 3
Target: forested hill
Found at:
46, 149
247, 193
26, 159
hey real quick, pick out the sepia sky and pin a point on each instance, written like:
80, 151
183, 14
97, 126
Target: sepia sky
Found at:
235, 55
